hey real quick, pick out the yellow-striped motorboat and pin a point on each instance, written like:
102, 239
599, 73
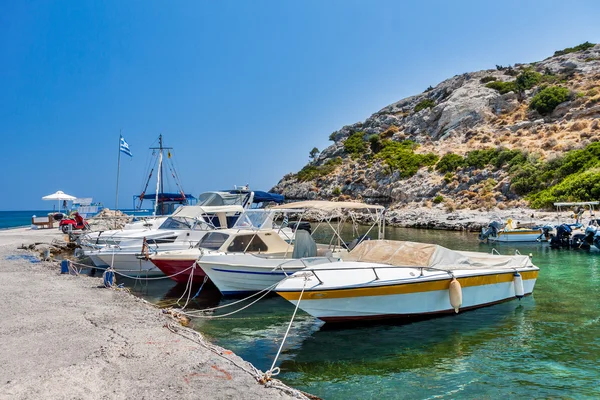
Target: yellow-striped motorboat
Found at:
386, 279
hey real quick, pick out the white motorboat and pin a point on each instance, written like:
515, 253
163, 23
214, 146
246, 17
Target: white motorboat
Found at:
182, 230
515, 232
387, 279
252, 256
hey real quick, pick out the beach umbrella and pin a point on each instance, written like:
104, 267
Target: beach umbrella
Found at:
59, 196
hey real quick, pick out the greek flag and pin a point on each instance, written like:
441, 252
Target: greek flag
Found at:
125, 147
286, 220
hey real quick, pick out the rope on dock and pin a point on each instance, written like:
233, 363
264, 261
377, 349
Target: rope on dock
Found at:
197, 338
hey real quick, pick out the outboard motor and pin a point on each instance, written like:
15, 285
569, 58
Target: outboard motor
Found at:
597, 241
546, 229
492, 230
304, 225
562, 238
583, 240
356, 241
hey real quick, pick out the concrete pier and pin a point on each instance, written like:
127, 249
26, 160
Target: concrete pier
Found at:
65, 337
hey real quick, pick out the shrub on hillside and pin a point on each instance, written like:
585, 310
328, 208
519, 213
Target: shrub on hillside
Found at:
423, 104
310, 171
548, 98
582, 46
438, 199
487, 79
584, 186
375, 143
400, 156
355, 145
450, 162
502, 87
527, 79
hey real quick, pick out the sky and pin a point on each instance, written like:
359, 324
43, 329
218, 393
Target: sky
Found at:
242, 90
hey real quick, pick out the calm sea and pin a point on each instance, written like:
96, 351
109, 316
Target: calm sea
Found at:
543, 346
13, 219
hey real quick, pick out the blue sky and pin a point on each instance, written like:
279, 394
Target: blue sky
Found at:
242, 90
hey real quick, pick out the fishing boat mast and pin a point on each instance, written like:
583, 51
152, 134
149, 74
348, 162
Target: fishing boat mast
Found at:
160, 181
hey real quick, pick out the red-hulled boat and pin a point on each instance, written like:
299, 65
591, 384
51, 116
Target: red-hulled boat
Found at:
174, 263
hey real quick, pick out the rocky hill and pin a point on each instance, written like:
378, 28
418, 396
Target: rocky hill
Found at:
522, 135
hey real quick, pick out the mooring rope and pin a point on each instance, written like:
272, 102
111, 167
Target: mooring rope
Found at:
273, 371
200, 313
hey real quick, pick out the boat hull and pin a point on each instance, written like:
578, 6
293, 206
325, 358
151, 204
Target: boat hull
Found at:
174, 268
518, 236
129, 264
407, 300
238, 274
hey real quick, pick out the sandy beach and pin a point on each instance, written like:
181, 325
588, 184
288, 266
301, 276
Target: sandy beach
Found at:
67, 337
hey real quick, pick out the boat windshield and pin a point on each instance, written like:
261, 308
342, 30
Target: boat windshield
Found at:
177, 223
255, 219
213, 241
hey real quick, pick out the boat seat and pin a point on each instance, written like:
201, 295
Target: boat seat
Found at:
304, 245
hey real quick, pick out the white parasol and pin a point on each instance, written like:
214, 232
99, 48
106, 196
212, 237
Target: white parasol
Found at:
59, 195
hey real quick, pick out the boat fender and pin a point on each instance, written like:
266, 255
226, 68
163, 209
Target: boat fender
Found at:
455, 292
64, 267
518, 282
108, 278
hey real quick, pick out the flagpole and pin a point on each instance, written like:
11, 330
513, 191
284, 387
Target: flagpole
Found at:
118, 170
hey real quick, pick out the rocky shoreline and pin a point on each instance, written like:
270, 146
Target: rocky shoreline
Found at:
467, 220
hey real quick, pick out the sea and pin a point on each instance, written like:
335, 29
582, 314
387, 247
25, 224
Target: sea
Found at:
14, 219
543, 346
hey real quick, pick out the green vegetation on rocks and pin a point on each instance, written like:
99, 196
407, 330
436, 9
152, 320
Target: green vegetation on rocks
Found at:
355, 145
400, 156
548, 98
310, 171
450, 162
423, 104
580, 47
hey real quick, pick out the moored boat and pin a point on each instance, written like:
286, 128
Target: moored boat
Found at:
394, 279
253, 256
512, 232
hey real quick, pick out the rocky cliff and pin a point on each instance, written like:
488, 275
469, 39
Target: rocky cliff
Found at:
426, 149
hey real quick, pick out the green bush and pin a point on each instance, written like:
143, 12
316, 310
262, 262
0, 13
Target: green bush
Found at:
423, 104
546, 100
375, 143
584, 186
487, 79
336, 191
438, 199
582, 46
355, 145
502, 87
310, 171
450, 162
448, 177
527, 79
400, 156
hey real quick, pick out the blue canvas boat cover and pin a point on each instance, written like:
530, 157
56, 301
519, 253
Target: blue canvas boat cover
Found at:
264, 197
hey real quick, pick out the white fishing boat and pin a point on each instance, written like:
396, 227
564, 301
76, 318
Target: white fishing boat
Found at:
252, 256
386, 279
182, 230
515, 232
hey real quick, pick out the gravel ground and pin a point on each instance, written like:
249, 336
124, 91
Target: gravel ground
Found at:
65, 337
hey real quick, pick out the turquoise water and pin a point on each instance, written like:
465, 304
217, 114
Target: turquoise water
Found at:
546, 345
13, 219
